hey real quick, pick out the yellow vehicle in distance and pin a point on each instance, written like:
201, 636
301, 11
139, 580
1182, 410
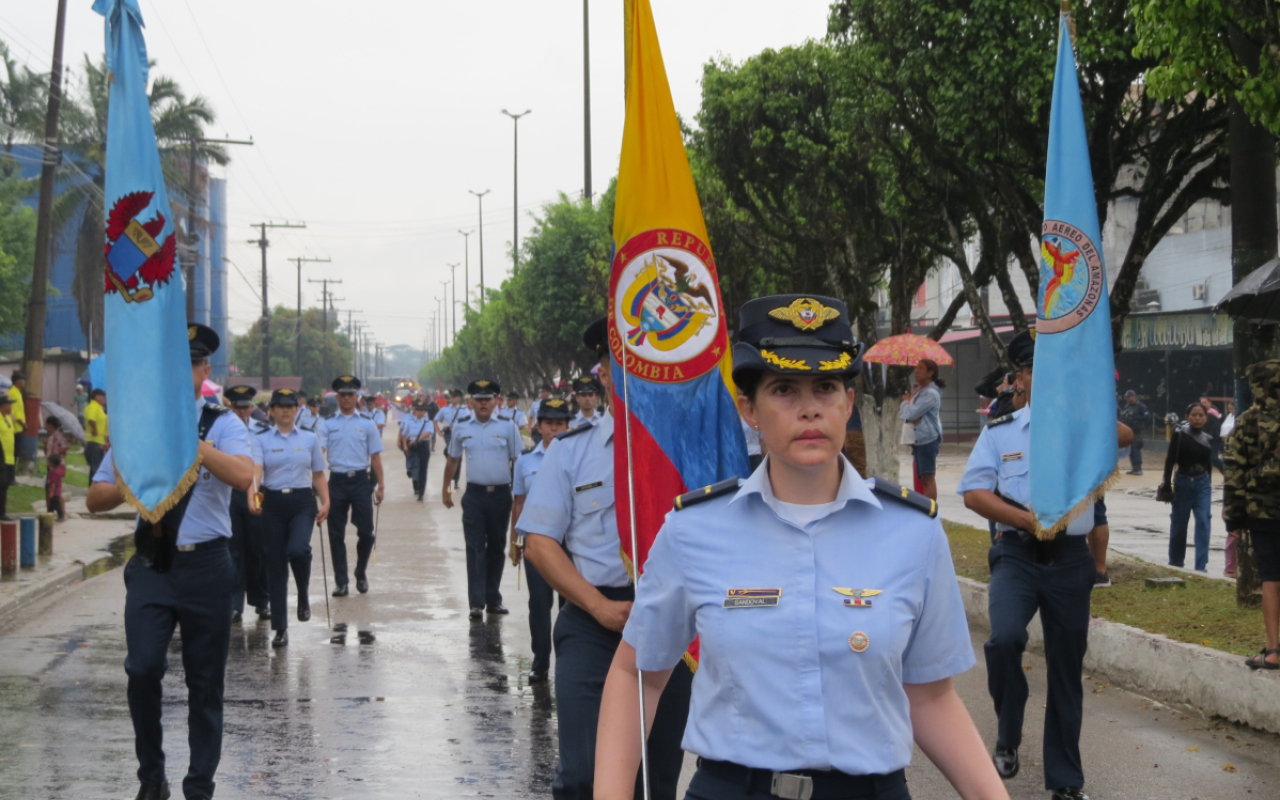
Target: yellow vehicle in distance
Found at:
403, 387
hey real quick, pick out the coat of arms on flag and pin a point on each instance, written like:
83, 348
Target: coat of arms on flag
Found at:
136, 261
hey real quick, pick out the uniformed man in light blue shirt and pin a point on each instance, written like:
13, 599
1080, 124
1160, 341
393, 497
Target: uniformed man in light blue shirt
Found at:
354, 450
491, 446
246, 535
571, 537
184, 581
304, 419
544, 394
416, 431
553, 420
1054, 577
375, 413
512, 412
587, 391
446, 419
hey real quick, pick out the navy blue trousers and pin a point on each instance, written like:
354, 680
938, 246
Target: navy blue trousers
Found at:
246, 552
541, 596
352, 496
418, 458
485, 518
1060, 591
287, 522
584, 651
195, 594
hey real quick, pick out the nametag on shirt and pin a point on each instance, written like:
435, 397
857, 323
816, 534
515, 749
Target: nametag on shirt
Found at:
588, 486
277, 450
1012, 456
752, 598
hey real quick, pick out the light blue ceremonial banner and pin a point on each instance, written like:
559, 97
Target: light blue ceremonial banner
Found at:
153, 418
1073, 429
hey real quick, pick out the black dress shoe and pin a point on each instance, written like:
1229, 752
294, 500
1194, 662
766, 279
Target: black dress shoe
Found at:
1006, 761
477, 613
1069, 793
153, 791
538, 676
304, 609
499, 610
263, 612
341, 591
282, 639
362, 585
236, 617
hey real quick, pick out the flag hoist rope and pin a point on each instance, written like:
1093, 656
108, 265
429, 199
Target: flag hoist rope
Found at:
635, 564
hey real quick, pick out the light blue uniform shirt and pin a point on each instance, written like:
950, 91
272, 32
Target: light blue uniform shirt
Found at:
1001, 462
289, 459
350, 440
379, 418
514, 414
779, 687
448, 414
526, 468
413, 427
208, 514
304, 414
490, 447
580, 419
254, 427
572, 502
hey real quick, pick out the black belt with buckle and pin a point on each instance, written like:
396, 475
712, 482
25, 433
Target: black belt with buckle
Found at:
290, 490
359, 473
804, 784
484, 487
211, 544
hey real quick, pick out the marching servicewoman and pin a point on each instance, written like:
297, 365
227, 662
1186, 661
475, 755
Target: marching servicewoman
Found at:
491, 445
183, 578
552, 420
570, 525
292, 479
415, 440
849, 582
354, 450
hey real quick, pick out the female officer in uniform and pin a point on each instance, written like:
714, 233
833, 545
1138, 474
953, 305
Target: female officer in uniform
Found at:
828, 610
292, 467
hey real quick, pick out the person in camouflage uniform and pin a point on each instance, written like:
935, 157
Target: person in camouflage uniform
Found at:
1251, 494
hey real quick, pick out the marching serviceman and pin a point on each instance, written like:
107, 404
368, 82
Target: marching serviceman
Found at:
491, 445
292, 479
415, 440
246, 533
1027, 574
571, 539
183, 579
552, 420
847, 584
304, 419
374, 413
512, 412
312, 419
587, 391
544, 394
354, 450
446, 419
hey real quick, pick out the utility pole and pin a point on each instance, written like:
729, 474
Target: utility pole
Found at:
33, 346
193, 198
353, 329
262, 243
515, 190
466, 272
297, 342
453, 305
326, 304
586, 101
480, 200
442, 306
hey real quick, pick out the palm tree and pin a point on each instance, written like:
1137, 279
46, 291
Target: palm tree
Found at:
22, 99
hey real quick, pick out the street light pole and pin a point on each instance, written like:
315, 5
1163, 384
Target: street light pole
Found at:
480, 200
466, 271
515, 190
586, 101
453, 304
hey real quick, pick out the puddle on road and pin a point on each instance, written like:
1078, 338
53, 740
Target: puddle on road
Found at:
118, 553
340, 635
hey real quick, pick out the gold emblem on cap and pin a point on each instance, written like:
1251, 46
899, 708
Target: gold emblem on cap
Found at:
346, 379
859, 642
191, 333
785, 363
482, 383
840, 363
285, 392
554, 403
806, 314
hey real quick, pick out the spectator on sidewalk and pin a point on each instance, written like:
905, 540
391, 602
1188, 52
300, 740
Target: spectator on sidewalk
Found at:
8, 431
1136, 416
1228, 421
95, 430
55, 444
1213, 427
81, 400
1191, 451
1231, 568
17, 393
920, 410
1251, 495
53, 487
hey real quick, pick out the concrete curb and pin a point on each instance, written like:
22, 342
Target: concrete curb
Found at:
1217, 683
54, 582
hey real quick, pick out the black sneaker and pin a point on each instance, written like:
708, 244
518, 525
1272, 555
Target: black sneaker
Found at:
1069, 793
1101, 580
1006, 761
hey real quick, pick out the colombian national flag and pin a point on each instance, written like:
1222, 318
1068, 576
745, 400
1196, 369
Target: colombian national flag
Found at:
677, 427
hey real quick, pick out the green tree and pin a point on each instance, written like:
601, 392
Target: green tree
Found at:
246, 352
22, 99
17, 249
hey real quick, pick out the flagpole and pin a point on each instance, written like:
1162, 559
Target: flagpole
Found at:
635, 564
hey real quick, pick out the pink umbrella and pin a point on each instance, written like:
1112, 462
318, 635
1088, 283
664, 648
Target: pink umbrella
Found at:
907, 350
210, 389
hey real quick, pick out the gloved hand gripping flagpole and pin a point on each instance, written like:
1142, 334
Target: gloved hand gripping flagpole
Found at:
635, 564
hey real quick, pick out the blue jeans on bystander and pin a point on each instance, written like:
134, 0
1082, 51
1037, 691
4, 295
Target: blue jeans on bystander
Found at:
1190, 496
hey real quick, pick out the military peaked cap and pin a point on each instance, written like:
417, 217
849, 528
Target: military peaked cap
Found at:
346, 383
240, 396
484, 389
796, 334
203, 340
284, 397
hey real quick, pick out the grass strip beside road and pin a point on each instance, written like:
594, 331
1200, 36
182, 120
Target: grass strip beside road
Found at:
1203, 613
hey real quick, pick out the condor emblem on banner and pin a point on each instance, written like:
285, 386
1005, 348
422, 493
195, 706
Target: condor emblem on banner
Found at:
667, 307
136, 262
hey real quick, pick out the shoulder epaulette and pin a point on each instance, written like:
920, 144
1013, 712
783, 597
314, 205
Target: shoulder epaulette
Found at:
1000, 420
706, 493
262, 428
586, 426
463, 418
214, 408
366, 415
904, 495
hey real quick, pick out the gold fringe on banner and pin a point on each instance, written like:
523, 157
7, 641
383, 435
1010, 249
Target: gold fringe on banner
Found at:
153, 515
1045, 534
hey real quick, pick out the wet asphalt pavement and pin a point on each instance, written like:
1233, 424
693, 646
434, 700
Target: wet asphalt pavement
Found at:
407, 698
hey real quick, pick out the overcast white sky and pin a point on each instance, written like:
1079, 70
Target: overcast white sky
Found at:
373, 120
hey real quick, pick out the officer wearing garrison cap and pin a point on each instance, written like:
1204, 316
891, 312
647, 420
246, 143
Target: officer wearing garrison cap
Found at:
1054, 577
354, 450
183, 575
246, 520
